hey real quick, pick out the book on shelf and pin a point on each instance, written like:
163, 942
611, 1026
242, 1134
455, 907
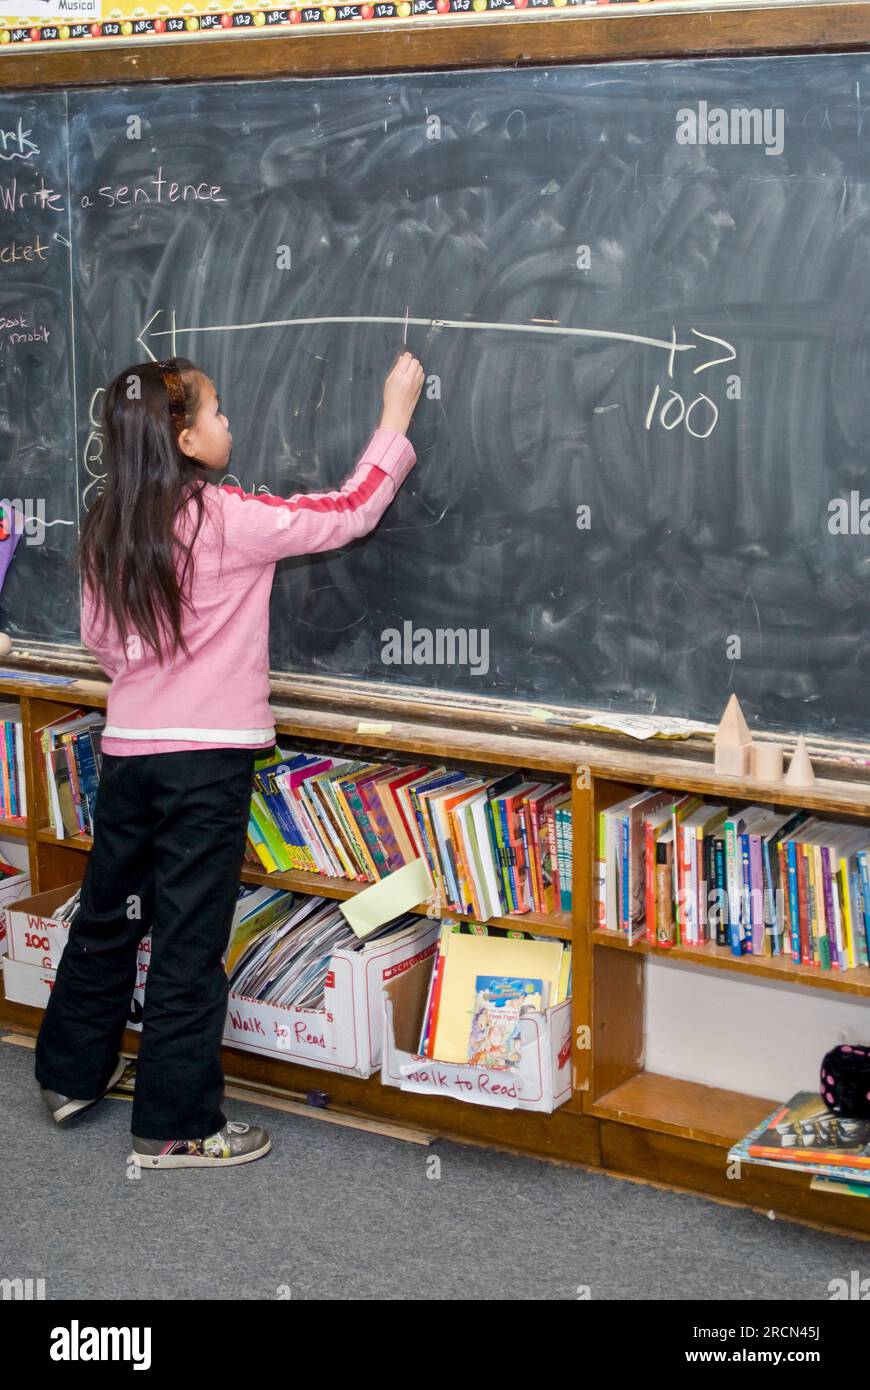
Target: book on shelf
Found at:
677, 870
492, 846
804, 1135
841, 1187
13, 790
622, 880
69, 764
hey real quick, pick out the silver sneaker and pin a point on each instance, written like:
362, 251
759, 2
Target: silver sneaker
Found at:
235, 1143
62, 1108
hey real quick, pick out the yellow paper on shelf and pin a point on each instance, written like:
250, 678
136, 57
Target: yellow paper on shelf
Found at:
469, 956
395, 894
643, 726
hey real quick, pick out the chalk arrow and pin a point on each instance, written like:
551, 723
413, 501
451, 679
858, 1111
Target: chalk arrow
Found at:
667, 344
714, 361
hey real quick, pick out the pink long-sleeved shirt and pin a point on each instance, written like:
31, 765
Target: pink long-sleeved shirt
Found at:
218, 697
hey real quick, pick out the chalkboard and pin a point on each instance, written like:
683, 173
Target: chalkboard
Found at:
638, 293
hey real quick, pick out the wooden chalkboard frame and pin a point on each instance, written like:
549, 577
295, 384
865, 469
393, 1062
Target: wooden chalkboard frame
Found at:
666, 33
555, 38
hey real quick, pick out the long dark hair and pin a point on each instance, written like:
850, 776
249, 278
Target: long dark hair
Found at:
129, 551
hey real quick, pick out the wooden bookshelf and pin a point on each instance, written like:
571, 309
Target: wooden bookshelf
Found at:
766, 967
706, 1114
620, 1117
557, 924
46, 836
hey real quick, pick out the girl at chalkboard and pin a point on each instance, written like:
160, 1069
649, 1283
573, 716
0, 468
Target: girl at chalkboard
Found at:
176, 576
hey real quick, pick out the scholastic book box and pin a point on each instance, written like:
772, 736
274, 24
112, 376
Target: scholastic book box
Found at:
541, 1079
346, 1034
36, 943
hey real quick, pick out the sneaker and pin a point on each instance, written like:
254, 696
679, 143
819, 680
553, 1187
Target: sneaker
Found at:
235, 1143
62, 1108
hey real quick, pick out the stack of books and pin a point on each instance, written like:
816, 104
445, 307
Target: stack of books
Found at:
676, 870
493, 845
287, 963
70, 770
483, 980
807, 1137
13, 795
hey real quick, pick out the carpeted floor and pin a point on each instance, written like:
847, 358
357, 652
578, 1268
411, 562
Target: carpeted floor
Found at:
335, 1213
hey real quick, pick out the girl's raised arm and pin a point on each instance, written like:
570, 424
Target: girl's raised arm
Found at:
262, 528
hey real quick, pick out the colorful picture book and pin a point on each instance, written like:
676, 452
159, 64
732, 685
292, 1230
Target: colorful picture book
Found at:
479, 970
676, 870
499, 1004
805, 1135
493, 846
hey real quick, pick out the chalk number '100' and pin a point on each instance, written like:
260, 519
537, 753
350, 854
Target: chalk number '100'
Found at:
675, 412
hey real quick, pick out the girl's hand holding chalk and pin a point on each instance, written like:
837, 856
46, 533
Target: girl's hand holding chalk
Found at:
401, 392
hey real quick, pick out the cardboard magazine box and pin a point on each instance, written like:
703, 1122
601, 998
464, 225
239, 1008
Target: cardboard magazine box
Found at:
17, 886
36, 944
346, 1035
26, 984
542, 1081
31, 984
35, 938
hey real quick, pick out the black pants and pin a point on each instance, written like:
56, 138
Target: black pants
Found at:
169, 837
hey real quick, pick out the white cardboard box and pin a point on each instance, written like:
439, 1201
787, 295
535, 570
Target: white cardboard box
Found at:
14, 852
31, 984
36, 944
35, 938
27, 984
542, 1081
346, 1035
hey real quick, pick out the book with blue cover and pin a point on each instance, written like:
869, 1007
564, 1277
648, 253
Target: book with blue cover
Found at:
499, 1004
